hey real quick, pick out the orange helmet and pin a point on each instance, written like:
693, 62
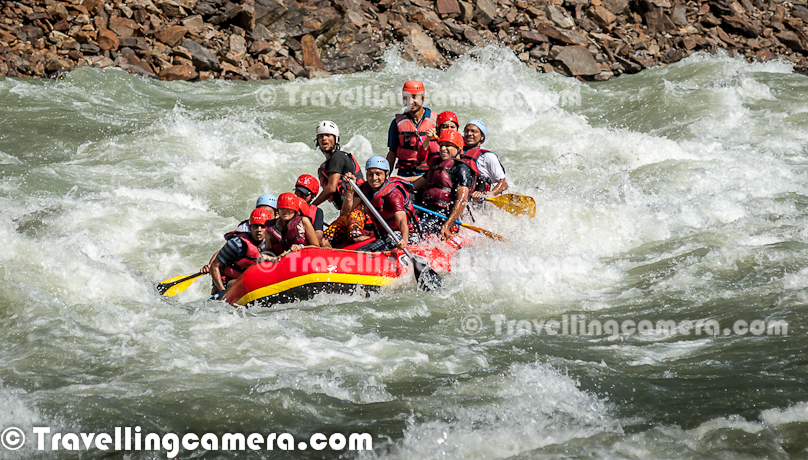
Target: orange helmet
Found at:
308, 182
447, 116
260, 216
414, 87
453, 137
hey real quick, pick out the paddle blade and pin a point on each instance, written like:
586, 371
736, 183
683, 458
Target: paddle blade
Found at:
428, 279
515, 204
166, 287
485, 232
177, 288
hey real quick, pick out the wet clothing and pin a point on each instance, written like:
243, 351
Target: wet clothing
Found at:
443, 181
384, 242
339, 162
489, 169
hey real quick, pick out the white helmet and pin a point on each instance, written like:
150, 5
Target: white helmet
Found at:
328, 127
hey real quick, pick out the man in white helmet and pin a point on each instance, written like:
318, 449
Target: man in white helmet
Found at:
335, 165
346, 229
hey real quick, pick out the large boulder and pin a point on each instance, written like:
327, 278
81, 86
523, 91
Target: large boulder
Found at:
578, 60
203, 58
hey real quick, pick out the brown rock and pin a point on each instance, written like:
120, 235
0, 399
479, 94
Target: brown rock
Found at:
122, 27
447, 7
452, 46
466, 12
531, 36
569, 37
679, 15
83, 36
260, 71
616, 7
195, 24
745, 26
203, 58
427, 54
485, 11
269, 11
602, 16
107, 40
171, 36
311, 55
558, 18
179, 72
294, 67
474, 37
791, 40
170, 8
136, 43
578, 60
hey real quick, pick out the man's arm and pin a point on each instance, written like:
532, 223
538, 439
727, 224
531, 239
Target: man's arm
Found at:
403, 227
459, 207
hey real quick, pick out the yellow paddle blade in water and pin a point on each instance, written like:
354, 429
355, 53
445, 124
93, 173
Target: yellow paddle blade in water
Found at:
515, 204
177, 284
485, 232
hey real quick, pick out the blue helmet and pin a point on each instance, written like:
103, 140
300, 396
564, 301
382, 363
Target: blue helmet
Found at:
377, 162
267, 199
481, 125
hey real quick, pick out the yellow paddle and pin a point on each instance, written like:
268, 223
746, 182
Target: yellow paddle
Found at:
515, 204
174, 286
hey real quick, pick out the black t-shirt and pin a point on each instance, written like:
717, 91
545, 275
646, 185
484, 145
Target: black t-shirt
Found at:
462, 175
318, 220
339, 162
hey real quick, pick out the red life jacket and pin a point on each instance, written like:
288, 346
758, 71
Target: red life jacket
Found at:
408, 141
312, 215
483, 184
235, 269
357, 172
440, 191
378, 200
293, 234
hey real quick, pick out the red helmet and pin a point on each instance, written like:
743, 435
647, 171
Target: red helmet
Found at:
309, 182
260, 216
289, 201
453, 137
414, 87
447, 116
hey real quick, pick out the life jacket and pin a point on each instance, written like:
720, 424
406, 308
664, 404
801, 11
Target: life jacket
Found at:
312, 215
440, 191
357, 172
483, 184
378, 200
235, 269
408, 141
233, 233
293, 234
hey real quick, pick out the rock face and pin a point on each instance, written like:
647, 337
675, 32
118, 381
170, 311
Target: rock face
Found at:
288, 39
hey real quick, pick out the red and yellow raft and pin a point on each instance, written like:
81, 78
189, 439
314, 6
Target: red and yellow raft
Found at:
303, 274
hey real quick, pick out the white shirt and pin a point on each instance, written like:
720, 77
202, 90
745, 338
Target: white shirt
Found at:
490, 168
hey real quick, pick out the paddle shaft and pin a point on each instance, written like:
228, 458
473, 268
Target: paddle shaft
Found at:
378, 217
436, 214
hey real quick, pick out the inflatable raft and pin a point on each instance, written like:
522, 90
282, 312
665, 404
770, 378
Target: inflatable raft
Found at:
303, 274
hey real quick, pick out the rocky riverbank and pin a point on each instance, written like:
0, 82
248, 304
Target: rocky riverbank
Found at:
288, 39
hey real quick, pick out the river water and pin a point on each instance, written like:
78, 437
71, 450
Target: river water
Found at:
679, 194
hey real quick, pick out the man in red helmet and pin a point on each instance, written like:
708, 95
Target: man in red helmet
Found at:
408, 143
447, 185
306, 188
240, 252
